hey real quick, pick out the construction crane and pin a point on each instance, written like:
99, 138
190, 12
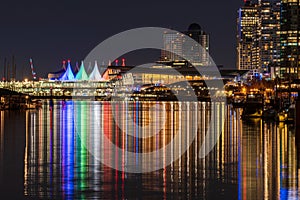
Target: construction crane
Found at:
32, 69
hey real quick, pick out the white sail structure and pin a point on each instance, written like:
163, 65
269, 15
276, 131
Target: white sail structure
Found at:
82, 75
95, 74
68, 75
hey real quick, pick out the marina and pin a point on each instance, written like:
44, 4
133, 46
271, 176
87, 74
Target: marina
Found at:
275, 103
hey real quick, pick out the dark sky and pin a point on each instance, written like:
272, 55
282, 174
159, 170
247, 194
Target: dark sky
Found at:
50, 31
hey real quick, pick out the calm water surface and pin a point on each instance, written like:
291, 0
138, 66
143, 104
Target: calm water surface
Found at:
53, 153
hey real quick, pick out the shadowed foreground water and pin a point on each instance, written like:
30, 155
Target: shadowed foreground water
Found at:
53, 153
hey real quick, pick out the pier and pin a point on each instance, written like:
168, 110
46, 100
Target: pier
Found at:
13, 100
277, 101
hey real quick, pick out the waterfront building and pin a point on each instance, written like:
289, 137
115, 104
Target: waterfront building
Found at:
165, 75
197, 53
172, 43
248, 37
270, 36
258, 37
67, 74
289, 39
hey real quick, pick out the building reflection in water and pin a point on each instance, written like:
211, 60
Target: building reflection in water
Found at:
252, 159
1, 143
267, 164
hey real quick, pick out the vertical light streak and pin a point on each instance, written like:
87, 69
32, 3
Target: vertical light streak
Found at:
51, 150
137, 132
164, 133
26, 180
240, 160
68, 150
40, 150
116, 133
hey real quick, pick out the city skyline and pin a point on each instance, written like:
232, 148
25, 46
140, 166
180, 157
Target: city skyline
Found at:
62, 30
150, 100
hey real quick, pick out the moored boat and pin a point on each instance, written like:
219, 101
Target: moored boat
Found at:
253, 107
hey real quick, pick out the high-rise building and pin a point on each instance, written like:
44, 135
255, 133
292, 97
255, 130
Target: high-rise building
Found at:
197, 53
258, 37
270, 35
289, 39
248, 37
173, 46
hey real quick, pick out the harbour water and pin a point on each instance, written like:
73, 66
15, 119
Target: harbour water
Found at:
58, 152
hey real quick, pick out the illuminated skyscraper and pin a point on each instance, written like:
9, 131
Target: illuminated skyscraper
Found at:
196, 53
173, 42
258, 37
248, 37
289, 39
270, 35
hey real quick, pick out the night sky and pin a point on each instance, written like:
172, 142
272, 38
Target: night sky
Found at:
50, 31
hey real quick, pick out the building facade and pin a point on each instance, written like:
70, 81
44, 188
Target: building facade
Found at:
270, 36
197, 53
258, 36
248, 37
173, 46
289, 39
